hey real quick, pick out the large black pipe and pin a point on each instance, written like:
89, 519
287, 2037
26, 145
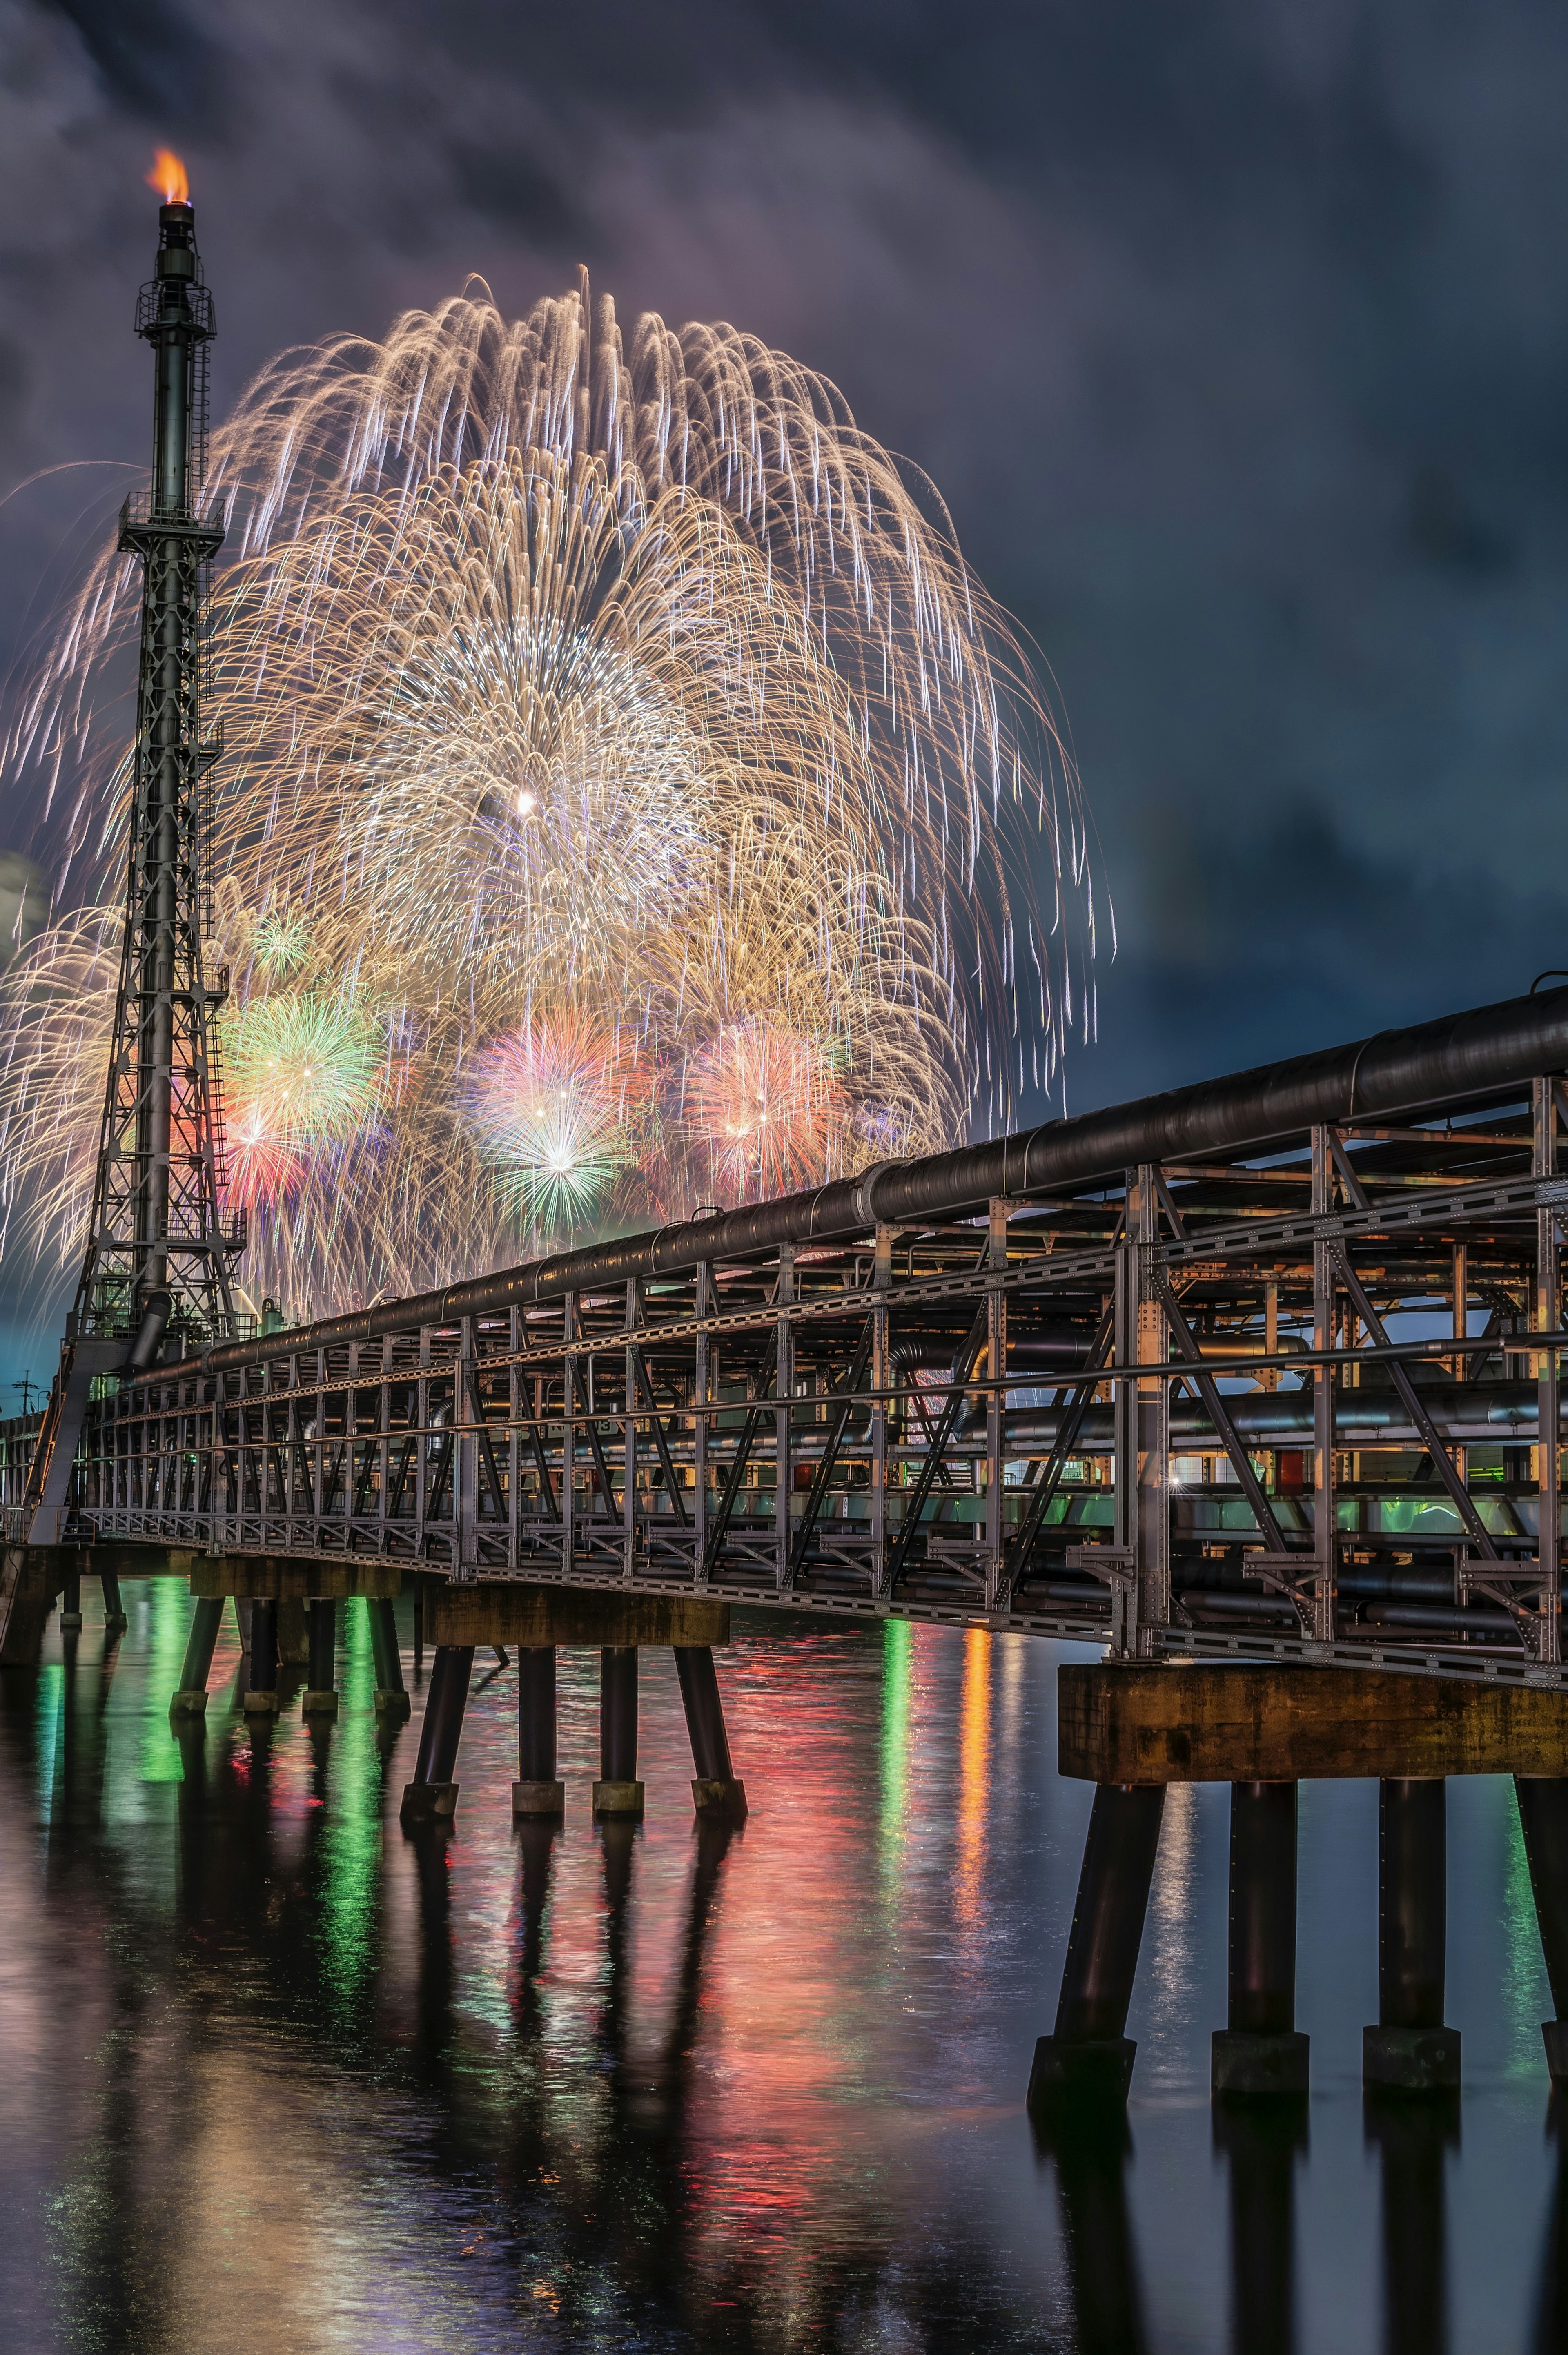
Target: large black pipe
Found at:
1397, 1074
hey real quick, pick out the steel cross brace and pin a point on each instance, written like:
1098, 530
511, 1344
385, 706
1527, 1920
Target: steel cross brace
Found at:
915, 1506
838, 1418
1023, 1546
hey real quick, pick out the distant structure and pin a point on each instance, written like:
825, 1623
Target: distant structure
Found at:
158, 1259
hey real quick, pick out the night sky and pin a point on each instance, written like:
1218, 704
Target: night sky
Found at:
1233, 333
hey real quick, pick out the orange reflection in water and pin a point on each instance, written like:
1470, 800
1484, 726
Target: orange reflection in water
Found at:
974, 1775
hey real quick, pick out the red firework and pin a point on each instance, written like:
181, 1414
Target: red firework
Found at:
767, 1104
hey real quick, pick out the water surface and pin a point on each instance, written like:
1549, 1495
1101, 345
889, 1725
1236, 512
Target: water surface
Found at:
277, 2076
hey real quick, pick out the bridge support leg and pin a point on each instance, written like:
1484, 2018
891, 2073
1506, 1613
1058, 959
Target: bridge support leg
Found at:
1543, 1818
261, 1692
536, 1791
113, 1609
293, 1634
715, 1790
206, 1621
618, 1791
1260, 2051
391, 1695
1090, 2052
71, 1606
321, 1695
1410, 2049
433, 1791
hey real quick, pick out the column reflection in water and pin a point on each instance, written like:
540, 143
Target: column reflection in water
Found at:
1551, 2331
1090, 2151
1413, 2135
1263, 2138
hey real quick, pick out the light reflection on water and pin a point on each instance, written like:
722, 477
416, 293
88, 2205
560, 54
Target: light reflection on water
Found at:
280, 2077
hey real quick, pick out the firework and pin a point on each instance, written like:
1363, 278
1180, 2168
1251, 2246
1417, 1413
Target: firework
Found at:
306, 1070
768, 1107
603, 712
553, 1107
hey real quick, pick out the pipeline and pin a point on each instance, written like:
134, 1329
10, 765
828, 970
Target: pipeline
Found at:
1396, 1074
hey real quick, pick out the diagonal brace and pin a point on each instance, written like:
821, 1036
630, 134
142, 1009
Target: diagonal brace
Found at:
962, 1365
1033, 1521
1443, 1462
838, 1418
666, 1463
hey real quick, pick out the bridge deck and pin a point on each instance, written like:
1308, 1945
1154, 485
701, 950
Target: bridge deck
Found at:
1278, 1403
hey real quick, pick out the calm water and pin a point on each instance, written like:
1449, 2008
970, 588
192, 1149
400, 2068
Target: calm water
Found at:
276, 2076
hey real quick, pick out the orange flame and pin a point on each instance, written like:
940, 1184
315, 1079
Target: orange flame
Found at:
169, 177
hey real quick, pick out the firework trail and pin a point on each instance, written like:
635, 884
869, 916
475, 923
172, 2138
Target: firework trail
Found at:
630, 798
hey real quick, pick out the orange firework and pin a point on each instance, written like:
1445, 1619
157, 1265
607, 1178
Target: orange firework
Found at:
768, 1106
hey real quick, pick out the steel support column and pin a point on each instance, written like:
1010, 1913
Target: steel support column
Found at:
434, 1791
1409, 2048
1325, 1509
715, 1789
1260, 2051
1089, 2051
261, 1692
785, 1394
1151, 1538
537, 1791
206, 1620
321, 1698
1548, 1308
618, 1791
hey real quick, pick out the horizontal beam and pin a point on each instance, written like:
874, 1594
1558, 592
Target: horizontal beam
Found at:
1119, 1723
281, 1578
490, 1611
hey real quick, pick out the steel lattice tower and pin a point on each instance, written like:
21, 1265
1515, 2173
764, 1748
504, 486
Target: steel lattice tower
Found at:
157, 1266
158, 1255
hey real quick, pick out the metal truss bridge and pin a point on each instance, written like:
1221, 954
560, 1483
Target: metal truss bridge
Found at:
1257, 1368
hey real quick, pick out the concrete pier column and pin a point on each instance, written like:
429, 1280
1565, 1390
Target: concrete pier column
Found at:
618, 1791
1090, 2052
715, 1789
536, 1791
293, 1634
261, 1692
434, 1791
206, 1621
71, 1606
391, 1695
1410, 2049
1259, 2050
320, 1690
1543, 1818
113, 1609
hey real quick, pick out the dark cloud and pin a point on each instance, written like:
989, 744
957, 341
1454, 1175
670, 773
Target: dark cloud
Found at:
154, 62
1233, 335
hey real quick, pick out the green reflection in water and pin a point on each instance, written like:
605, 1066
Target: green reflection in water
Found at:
169, 1611
1525, 1966
352, 1838
48, 1727
898, 1676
